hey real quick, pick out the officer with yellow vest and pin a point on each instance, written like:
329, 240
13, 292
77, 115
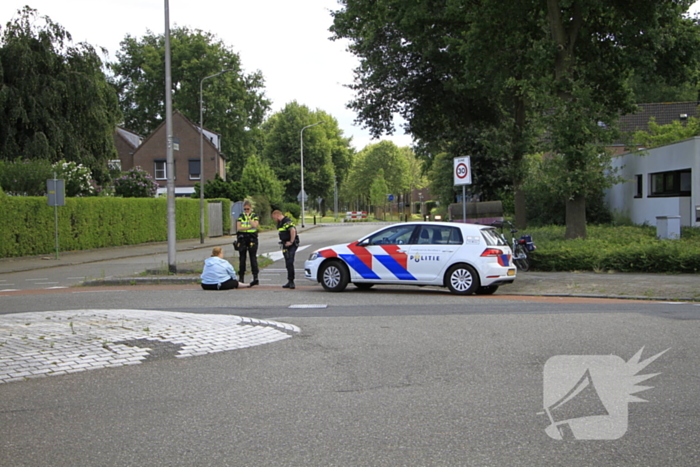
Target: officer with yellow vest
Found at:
247, 239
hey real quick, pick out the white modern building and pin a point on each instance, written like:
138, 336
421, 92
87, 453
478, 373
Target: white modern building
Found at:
660, 182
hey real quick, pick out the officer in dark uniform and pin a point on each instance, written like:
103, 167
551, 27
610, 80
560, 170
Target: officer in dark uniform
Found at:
289, 241
247, 238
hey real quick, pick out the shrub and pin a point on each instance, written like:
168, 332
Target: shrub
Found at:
25, 178
77, 177
624, 249
291, 208
135, 183
220, 188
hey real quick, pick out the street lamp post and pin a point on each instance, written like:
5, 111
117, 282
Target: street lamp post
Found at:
301, 143
201, 155
169, 163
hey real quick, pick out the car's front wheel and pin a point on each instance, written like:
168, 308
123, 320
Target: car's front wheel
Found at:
462, 279
334, 276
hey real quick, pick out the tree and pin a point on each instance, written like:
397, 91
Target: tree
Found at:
457, 83
327, 153
378, 190
384, 156
659, 135
220, 188
234, 104
448, 66
55, 102
259, 179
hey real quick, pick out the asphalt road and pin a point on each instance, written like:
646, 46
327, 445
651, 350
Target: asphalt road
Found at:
393, 376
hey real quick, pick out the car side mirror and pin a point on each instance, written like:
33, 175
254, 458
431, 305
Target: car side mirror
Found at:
364, 242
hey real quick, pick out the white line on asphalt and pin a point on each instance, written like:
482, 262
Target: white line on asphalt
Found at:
42, 279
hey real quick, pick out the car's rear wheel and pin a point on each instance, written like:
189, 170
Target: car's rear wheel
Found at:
334, 276
462, 279
487, 290
522, 261
363, 285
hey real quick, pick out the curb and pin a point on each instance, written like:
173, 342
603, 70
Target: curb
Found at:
188, 280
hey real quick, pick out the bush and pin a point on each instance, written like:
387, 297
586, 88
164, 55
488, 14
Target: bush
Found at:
220, 188
25, 178
85, 223
624, 249
77, 177
262, 208
135, 183
291, 208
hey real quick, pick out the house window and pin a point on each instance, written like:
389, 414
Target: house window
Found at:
639, 188
195, 172
160, 170
673, 183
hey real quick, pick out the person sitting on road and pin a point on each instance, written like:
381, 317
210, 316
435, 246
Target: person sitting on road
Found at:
218, 274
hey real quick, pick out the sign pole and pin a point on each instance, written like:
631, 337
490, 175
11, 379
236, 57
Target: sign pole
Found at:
463, 176
464, 203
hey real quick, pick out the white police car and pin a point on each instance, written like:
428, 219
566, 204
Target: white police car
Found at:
465, 258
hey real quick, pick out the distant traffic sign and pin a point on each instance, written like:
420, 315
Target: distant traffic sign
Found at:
462, 171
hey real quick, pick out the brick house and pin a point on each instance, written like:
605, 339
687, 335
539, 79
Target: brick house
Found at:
126, 143
151, 155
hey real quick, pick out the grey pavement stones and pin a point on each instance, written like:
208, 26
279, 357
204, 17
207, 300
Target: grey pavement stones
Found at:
48, 343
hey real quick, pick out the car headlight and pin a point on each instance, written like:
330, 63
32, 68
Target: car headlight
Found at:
313, 256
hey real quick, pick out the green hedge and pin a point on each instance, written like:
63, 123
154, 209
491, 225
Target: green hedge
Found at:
27, 223
607, 248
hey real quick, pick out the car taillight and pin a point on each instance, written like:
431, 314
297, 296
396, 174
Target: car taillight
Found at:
492, 252
503, 259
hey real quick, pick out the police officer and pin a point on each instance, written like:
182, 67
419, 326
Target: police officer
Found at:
247, 237
290, 241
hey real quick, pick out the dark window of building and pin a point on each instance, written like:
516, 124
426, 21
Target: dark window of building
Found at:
639, 188
195, 173
673, 183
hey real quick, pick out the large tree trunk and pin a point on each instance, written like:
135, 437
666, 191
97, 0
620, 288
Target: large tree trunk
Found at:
576, 217
519, 149
520, 209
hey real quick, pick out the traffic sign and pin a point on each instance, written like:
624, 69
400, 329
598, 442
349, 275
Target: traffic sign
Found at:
302, 194
462, 171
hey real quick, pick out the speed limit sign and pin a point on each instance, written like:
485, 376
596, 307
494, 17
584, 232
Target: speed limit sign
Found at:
462, 171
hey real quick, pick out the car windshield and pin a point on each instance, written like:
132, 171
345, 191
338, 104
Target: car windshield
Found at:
493, 237
395, 235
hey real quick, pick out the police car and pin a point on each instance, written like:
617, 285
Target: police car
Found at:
465, 258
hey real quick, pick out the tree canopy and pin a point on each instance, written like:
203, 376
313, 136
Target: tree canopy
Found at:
55, 101
234, 104
558, 69
327, 153
394, 164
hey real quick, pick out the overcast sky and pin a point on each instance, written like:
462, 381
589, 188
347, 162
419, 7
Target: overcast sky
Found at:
286, 40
